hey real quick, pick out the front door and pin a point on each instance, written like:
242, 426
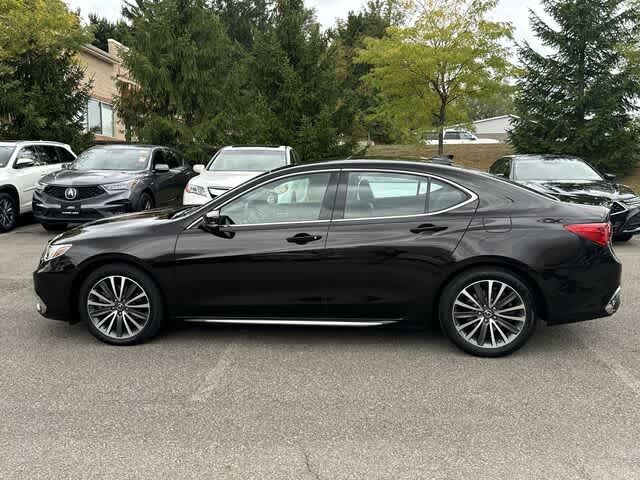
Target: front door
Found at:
28, 175
268, 262
391, 235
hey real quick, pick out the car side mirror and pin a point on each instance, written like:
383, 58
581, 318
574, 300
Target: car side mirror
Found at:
24, 163
609, 176
161, 168
198, 168
212, 222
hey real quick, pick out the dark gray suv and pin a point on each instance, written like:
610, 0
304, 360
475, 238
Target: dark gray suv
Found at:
109, 180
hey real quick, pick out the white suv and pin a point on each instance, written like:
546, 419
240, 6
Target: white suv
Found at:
232, 166
22, 165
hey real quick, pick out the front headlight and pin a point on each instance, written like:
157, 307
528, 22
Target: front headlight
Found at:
195, 189
40, 186
55, 251
120, 186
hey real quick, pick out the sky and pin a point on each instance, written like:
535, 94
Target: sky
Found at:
514, 11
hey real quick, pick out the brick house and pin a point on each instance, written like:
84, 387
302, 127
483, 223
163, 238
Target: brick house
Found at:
104, 69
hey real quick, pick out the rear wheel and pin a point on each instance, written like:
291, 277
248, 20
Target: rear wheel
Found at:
121, 305
487, 312
8, 212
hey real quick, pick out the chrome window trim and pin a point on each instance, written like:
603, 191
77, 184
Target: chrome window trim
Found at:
294, 174
472, 195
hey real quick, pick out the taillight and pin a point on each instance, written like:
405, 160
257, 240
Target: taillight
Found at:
599, 233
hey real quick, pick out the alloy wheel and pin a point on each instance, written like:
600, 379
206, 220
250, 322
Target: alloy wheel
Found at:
489, 314
118, 307
7, 213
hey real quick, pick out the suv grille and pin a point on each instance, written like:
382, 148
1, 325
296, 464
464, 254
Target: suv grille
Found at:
83, 192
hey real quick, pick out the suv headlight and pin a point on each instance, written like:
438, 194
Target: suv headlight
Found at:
120, 186
55, 251
195, 189
40, 186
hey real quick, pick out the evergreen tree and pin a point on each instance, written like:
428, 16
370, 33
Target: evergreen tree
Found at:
191, 85
104, 29
578, 99
42, 91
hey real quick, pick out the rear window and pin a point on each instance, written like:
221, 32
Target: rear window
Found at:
5, 155
248, 160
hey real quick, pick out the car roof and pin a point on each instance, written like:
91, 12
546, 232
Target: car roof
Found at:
33, 142
544, 157
256, 147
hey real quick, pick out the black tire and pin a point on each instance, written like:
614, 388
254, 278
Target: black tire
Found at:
156, 312
625, 237
145, 202
54, 227
483, 276
8, 212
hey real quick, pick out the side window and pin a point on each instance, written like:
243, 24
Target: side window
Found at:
451, 135
65, 155
378, 194
498, 167
292, 199
171, 159
49, 154
158, 157
443, 196
29, 153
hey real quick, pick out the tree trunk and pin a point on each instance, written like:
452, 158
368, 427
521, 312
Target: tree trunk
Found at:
442, 115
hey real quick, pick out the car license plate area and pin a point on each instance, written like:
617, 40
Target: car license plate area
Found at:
70, 209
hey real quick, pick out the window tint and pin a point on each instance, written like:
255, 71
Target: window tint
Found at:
498, 167
451, 136
65, 155
30, 153
374, 194
49, 154
171, 159
443, 196
292, 199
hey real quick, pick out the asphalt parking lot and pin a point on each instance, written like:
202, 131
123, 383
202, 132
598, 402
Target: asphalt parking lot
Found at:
312, 403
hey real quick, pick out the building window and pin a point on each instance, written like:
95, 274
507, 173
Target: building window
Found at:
99, 118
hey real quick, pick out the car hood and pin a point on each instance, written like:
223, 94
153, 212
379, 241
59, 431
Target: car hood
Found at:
223, 179
118, 226
78, 178
596, 192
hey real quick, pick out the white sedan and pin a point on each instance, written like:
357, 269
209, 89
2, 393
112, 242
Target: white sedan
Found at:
459, 137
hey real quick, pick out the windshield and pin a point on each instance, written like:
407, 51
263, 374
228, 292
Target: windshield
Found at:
5, 155
248, 160
557, 169
122, 159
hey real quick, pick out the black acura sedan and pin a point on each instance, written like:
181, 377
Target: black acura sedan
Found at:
108, 180
344, 243
571, 179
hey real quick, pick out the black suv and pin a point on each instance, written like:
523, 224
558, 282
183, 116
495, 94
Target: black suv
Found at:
571, 179
108, 180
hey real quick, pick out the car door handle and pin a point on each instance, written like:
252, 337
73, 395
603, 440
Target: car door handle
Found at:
302, 238
427, 228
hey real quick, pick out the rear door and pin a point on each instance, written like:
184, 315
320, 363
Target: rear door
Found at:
392, 235
164, 182
269, 260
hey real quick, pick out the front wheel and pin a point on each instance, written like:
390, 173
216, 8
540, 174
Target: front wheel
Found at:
145, 202
488, 312
8, 212
121, 305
